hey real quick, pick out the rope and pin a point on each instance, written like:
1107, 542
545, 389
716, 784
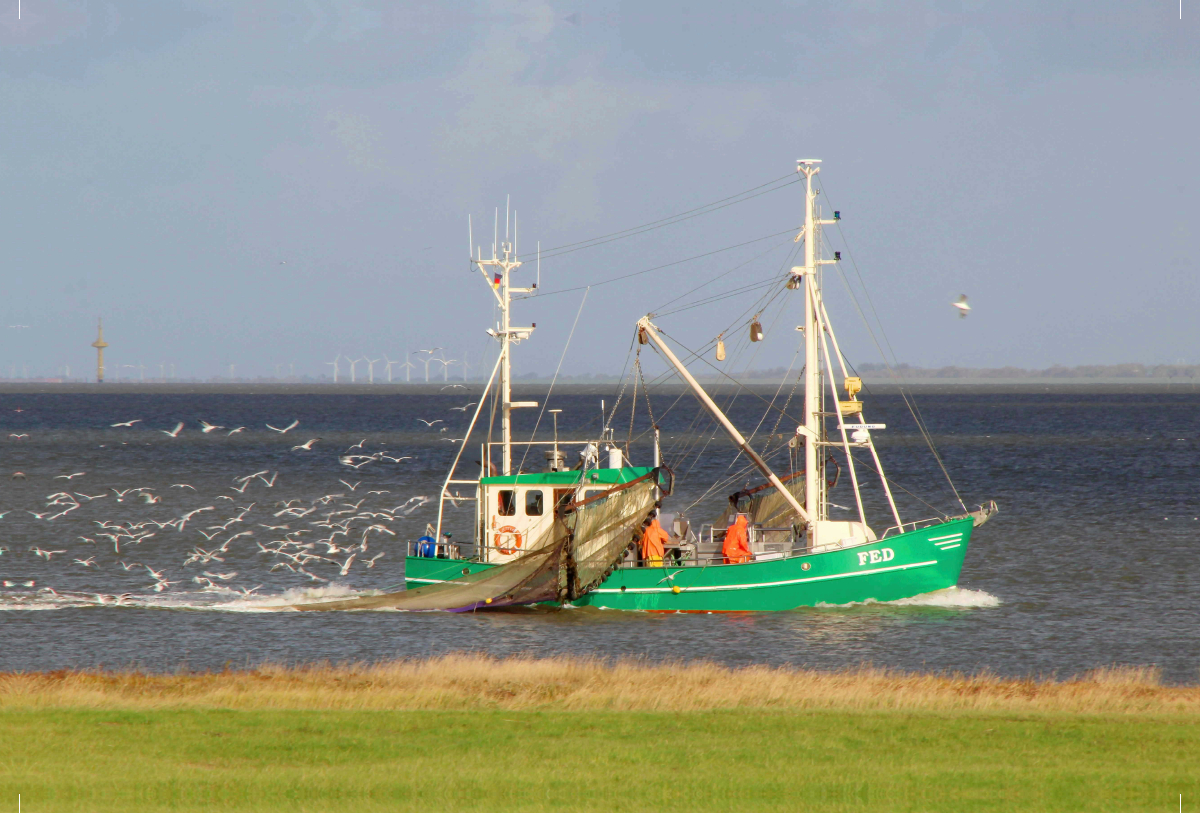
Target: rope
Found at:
546, 402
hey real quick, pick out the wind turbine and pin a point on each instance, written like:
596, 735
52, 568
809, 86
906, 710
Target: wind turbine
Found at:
408, 367
353, 366
446, 367
370, 369
335, 367
428, 358
387, 365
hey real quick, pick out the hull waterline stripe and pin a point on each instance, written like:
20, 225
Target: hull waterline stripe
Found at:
715, 587
939, 538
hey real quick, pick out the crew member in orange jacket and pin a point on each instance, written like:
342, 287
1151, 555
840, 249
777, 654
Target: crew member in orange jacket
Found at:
653, 540
737, 547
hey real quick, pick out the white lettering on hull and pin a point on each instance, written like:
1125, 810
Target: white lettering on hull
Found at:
876, 556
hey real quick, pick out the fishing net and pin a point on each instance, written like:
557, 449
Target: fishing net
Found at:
768, 508
585, 543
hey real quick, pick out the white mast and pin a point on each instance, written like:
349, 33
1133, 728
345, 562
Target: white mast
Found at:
504, 262
814, 481
815, 326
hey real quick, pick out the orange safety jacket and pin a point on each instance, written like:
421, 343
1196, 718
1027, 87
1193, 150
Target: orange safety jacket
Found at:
653, 540
737, 547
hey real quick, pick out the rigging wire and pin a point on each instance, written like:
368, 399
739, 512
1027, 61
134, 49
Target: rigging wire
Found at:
721, 275
546, 401
670, 220
666, 265
900, 384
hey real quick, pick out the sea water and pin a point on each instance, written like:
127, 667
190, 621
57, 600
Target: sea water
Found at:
1094, 559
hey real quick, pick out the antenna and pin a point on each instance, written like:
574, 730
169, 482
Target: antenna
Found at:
496, 232
507, 201
514, 242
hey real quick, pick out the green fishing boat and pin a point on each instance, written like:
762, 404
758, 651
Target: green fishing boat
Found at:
599, 533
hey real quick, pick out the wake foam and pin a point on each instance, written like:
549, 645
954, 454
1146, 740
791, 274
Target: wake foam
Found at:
204, 600
952, 598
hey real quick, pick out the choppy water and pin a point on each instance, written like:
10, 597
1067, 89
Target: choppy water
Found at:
1094, 559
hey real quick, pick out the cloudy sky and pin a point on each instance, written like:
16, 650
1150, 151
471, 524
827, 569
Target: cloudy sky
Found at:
279, 182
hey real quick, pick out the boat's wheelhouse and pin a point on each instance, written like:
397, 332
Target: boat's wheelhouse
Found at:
515, 514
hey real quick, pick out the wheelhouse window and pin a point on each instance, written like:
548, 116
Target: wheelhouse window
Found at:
506, 503
533, 503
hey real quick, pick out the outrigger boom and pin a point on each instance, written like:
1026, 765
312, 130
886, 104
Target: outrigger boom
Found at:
647, 331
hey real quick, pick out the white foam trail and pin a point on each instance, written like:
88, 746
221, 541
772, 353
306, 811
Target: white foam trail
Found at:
219, 601
953, 598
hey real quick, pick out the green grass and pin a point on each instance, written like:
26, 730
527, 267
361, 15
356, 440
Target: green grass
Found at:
195, 759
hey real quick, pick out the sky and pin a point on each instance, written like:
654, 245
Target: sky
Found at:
274, 184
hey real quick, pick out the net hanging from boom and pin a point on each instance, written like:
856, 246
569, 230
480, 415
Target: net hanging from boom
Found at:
586, 541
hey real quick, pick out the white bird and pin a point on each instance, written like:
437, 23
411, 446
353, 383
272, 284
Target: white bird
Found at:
70, 476
154, 574
150, 499
222, 576
347, 485
126, 423
162, 585
238, 429
286, 429
346, 565
29, 583
373, 559
207, 427
358, 445
270, 483
430, 423
88, 562
963, 307
174, 432
464, 408
46, 554
452, 386
182, 485
307, 446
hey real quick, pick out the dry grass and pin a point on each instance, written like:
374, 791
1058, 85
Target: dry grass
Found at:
468, 681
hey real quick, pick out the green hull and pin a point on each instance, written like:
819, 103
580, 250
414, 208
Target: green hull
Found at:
897, 567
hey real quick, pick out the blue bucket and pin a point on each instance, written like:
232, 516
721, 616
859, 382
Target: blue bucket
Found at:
427, 547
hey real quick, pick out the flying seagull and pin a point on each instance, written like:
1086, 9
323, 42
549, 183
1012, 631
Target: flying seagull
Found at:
306, 446
285, 430
127, 423
174, 432
963, 307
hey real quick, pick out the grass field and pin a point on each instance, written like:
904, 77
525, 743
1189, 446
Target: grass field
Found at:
581, 736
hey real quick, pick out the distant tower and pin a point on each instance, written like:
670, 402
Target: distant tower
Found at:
100, 344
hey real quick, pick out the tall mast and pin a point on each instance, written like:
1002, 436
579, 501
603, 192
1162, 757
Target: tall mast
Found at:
503, 262
814, 462
813, 479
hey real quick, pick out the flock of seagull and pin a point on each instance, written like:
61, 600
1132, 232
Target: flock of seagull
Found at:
211, 543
